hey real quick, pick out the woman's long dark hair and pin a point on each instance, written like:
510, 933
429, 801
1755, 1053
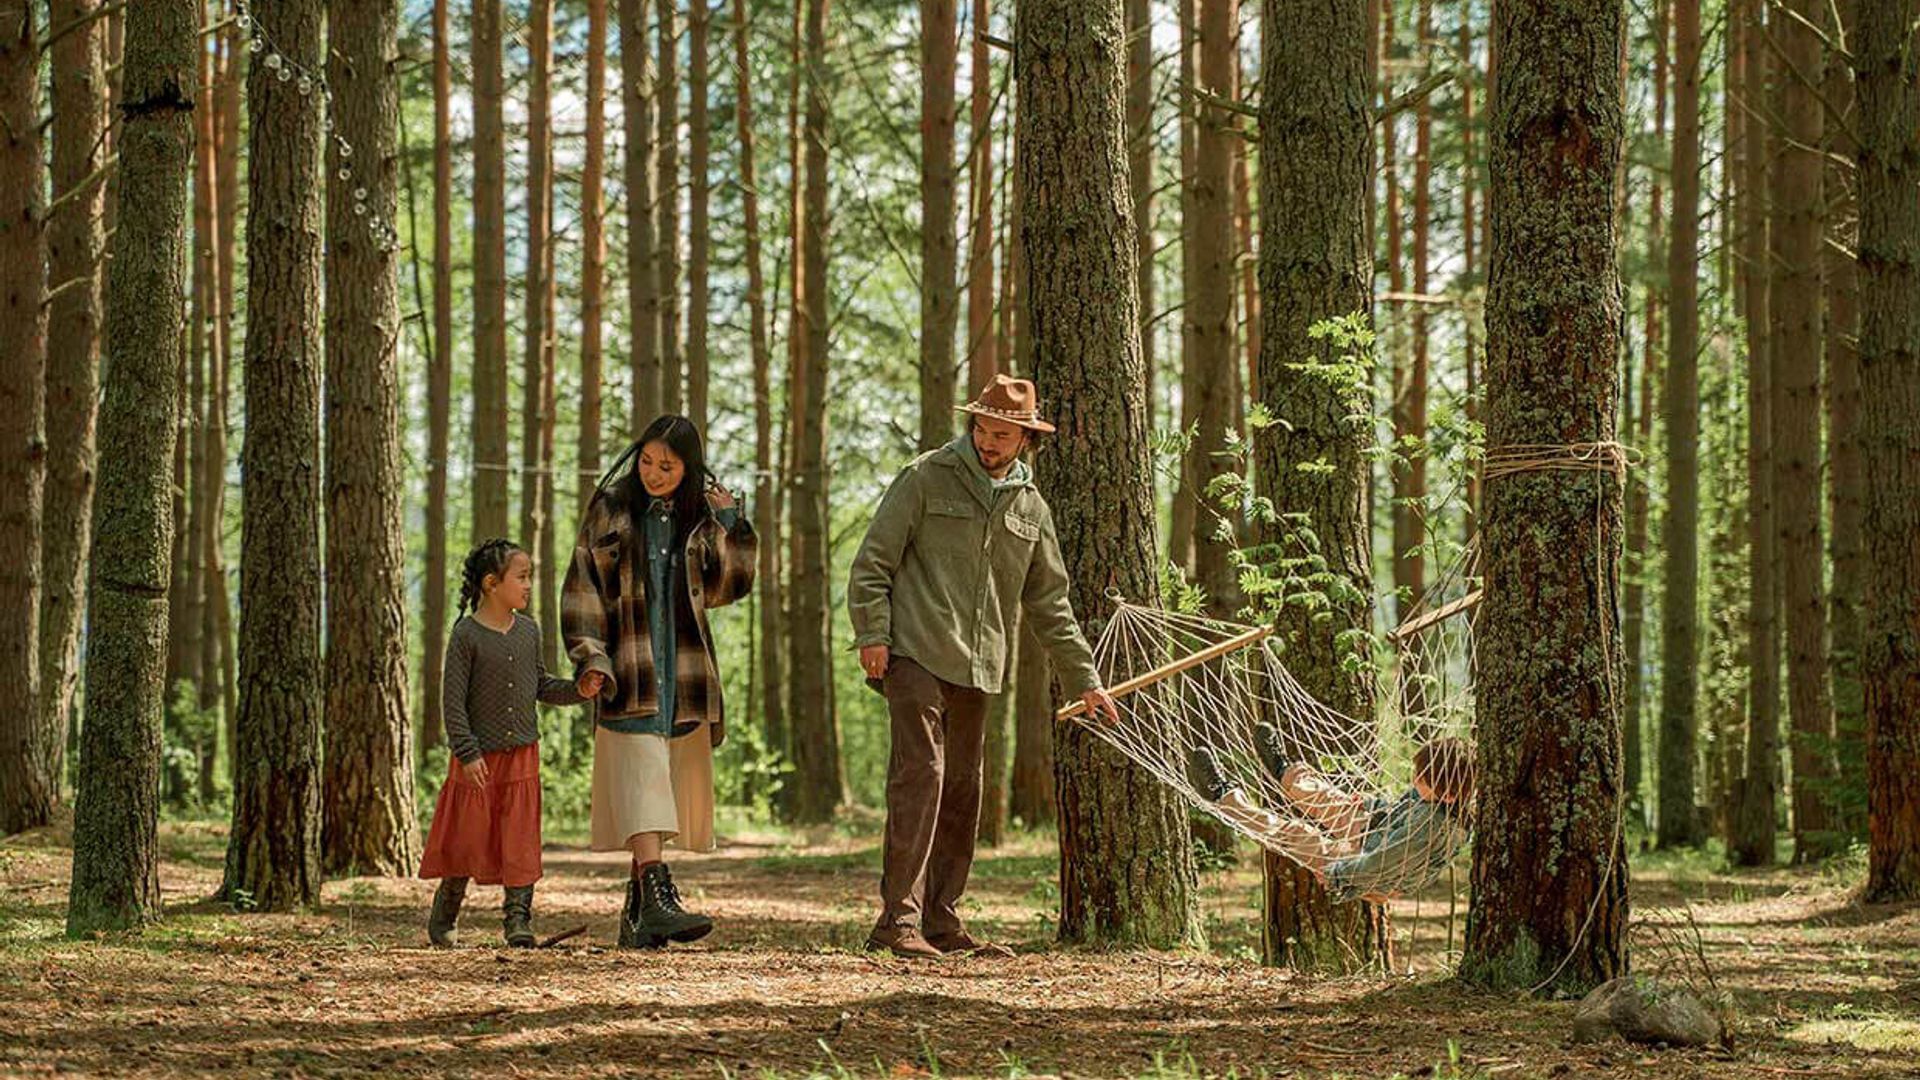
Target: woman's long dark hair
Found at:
677, 433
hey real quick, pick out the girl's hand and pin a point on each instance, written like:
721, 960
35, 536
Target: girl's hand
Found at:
590, 684
719, 498
476, 772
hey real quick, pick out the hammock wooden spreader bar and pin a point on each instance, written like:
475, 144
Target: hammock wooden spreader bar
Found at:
1167, 671
1421, 622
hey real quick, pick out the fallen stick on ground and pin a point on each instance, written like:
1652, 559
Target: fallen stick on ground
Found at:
563, 935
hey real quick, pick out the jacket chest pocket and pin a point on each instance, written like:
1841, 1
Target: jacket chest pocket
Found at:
1013, 542
952, 528
606, 552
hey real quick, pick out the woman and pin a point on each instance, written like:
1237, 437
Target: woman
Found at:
660, 544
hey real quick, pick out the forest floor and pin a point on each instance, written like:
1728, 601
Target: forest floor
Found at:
1823, 987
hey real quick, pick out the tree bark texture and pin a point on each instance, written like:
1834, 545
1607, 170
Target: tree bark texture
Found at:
699, 195
939, 252
667, 223
643, 283
1679, 823
1126, 866
368, 823
537, 284
433, 605
28, 761
273, 851
75, 244
1316, 264
1887, 73
1549, 883
116, 883
490, 418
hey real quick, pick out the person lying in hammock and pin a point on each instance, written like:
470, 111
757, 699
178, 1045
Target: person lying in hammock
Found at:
1359, 847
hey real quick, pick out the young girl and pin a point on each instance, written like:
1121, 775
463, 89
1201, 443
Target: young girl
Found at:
486, 826
661, 543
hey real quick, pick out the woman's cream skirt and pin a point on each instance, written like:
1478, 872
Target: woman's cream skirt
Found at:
649, 783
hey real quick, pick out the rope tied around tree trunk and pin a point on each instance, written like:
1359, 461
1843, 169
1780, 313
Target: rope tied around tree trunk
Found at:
1616, 459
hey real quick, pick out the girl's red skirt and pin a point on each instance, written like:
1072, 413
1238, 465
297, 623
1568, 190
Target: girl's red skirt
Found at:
489, 833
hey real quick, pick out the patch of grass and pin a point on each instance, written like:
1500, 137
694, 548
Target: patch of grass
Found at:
865, 860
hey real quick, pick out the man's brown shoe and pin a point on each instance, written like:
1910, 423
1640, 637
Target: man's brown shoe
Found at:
959, 941
903, 941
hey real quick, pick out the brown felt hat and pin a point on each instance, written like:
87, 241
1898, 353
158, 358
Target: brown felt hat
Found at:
1010, 399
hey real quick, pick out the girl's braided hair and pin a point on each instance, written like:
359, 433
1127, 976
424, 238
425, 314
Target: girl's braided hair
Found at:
489, 557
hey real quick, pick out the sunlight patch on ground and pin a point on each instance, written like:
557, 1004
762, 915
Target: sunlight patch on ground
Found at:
1865, 1033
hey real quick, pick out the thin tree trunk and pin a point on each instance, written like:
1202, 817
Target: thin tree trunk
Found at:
1186, 502
699, 18
75, 243
368, 825
1887, 71
1316, 264
190, 530
643, 282
983, 349
593, 257
1845, 479
1126, 869
537, 352
667, 227
1798, 214
1209, 309
939, 297
1549, 870
273, 851
1679, 822
227, 218
1470, 270
787, 797
116, 882
766, 499
819, 783
1752, 840
1639, 488
489, 419
29, 762
207, 472
433, 629
1410, 384
1140, 143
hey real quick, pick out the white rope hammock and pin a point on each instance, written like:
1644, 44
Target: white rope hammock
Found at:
1209, 708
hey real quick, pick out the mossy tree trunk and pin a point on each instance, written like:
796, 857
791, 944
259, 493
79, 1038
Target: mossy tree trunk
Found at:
1127, 874
1549, 883
116, 883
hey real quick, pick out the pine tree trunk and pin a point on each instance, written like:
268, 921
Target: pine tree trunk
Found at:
1887, 71
939, 299
1316, 263
1679, 822
1410, 383
227, 195
1752, 842
191, 613
1798, 215
29, 762
207, 475
1639, 485
1549, 878
700, 244
1126, 868
1470, 268
1845, 480
643, 282
766, 499
786, 493
593, 258
536, 352
368, 826
1186, 503
1209, 309
273, 851
116, 883
819, 784
983, 350
433, 629
1140, 144
1030, 794
75, 242
667, 225
490, 418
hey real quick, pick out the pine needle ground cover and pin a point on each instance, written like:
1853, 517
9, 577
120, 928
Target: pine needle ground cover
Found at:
1821, 986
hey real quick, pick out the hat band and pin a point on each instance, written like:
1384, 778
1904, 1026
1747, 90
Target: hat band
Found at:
1010, 414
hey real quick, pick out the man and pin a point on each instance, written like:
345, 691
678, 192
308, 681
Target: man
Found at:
960, 546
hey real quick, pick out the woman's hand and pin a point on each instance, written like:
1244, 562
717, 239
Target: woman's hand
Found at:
475, 771
590, 684
719, 498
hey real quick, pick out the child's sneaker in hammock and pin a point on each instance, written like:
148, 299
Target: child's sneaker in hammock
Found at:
1237, 808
